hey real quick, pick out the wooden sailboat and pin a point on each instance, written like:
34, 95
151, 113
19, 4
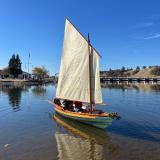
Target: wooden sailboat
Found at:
79, 78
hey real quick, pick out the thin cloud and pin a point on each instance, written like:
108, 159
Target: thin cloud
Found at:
153, 17
144, 25
153, 36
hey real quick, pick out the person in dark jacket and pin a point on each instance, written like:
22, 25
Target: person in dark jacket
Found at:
68, 105
57, 101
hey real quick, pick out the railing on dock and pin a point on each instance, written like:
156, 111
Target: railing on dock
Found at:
130, 79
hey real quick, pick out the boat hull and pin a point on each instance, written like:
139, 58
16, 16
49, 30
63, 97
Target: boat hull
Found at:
97, 120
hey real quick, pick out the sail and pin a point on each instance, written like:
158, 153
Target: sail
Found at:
73, 82
95, 77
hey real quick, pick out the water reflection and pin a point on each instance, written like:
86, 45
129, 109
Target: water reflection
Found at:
14, 93
137, 86
39, 90
135, 136
76, 140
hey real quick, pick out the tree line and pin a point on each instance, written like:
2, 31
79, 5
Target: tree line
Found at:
14, 65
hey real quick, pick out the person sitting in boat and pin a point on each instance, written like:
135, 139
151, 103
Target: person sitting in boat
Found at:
77, 106
57, 101
74, 108
84, 109
68, 105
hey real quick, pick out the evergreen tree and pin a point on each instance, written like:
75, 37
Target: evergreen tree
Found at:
123, 69
14, 65
137, 68
18, 65
11, 64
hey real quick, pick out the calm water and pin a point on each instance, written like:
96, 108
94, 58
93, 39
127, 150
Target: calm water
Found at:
29, 129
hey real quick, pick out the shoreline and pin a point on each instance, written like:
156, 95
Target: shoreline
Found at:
25, 81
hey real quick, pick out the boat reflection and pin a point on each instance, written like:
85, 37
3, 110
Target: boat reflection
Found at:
76, 140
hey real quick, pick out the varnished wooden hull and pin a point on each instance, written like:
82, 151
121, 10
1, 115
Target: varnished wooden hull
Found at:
98, 120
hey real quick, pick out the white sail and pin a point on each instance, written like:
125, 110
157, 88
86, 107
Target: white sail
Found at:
73, 82
95, 77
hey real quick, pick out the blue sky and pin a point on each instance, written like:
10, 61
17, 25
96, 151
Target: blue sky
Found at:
125, 32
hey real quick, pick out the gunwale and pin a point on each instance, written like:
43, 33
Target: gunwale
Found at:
77, 114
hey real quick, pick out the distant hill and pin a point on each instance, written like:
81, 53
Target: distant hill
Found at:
145, 72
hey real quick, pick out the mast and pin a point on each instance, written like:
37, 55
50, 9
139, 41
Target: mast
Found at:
90, 74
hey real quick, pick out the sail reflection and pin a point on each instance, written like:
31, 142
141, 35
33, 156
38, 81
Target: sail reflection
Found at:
76, 140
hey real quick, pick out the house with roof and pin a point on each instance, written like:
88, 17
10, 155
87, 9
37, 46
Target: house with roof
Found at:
4, 73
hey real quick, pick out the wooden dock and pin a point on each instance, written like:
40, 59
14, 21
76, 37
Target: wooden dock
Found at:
129, 79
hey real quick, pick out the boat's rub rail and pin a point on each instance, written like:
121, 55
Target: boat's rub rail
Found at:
77, 114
